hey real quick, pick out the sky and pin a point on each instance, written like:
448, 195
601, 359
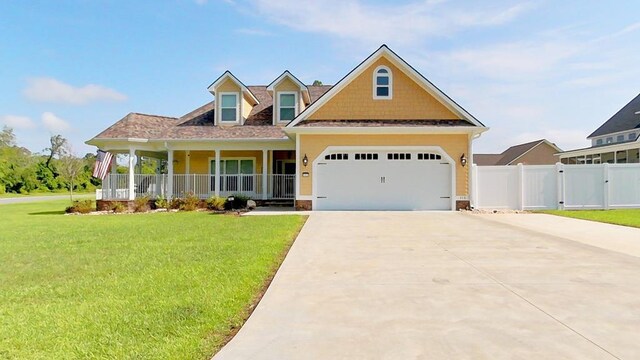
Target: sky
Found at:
526, 69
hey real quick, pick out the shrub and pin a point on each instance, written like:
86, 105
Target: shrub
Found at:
141, 204
216, 203
239, 202
162, 203
118, 207
190, 203
80, 207
175, 203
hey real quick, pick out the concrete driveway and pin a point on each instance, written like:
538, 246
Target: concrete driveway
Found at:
416, 285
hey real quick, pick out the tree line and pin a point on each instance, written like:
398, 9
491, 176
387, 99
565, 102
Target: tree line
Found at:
56, 168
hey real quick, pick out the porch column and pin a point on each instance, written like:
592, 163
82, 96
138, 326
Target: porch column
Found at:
169, 174
217, 175
132, 192
265, 156
187, 170
112, 180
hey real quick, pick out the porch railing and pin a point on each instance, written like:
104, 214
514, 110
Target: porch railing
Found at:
116, 186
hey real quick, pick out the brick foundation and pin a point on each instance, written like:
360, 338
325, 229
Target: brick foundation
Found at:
463, 205
303, 205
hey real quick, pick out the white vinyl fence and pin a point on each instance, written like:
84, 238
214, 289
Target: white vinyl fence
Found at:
538, 187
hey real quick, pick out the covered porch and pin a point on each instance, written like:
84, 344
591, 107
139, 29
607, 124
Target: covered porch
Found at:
266, 173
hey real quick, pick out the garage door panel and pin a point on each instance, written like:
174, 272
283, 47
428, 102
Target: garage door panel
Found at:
383, 184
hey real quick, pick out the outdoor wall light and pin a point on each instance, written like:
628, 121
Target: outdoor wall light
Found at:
305, 160
463, 160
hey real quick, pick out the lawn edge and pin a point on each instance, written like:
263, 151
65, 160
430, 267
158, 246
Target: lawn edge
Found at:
233, 331
546, 212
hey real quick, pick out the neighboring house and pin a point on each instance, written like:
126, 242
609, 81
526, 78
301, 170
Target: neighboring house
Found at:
539, 152
383, 137
617, 141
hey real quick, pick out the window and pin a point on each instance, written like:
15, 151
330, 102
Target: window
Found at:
382, 83
366, 156
429, 156
609, 140
287, 106
620, 138
337, 157
632, 136
599, 142
398, 156
229, 107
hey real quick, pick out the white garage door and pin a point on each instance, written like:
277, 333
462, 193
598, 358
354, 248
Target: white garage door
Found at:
383, 180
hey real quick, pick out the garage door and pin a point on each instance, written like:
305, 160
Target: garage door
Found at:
383, 180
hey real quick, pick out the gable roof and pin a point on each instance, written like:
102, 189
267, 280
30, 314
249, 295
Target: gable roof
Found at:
286, 74
626, 118
228, 75
404, 67
510, 155
198, 124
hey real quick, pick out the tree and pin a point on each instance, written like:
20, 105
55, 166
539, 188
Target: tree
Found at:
317, 82
70, 168
59, 146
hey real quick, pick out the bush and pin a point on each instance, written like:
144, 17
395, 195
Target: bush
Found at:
80, 207
216, 203
175, 203
141, 204
118, 207
162, 203
190, 203
239, 202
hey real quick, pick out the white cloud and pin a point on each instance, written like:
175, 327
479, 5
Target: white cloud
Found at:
53, 123
17, 122
376, 23
48, 89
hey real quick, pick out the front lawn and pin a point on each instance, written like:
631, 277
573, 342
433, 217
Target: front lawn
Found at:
627, 217
148, 286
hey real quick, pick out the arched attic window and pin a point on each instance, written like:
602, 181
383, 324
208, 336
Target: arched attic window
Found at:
382, 83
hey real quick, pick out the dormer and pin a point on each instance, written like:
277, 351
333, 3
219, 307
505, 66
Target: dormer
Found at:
290, 97
234, 101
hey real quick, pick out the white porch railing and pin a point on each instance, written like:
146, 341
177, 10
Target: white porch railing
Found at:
116, 186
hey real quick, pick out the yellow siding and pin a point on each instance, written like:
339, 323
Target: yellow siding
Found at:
227, 86
286, 85
246, 108
313, 145
409, 100
199, 160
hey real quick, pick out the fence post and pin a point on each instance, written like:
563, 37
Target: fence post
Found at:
473, 198
560, 185
520, 186
605, 170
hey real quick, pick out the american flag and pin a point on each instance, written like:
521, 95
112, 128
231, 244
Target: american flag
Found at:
103, 162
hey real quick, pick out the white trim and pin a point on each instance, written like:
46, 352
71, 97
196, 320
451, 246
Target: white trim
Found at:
228, 75
322, 130
600, 149
286, 74
296, 107
298, 163
375, 83
219, 106
402, 66
314, 183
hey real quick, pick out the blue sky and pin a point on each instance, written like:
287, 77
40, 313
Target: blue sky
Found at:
527, 69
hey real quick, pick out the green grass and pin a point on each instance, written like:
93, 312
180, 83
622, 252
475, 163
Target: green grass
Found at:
139, 286
56, 193
627, 217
